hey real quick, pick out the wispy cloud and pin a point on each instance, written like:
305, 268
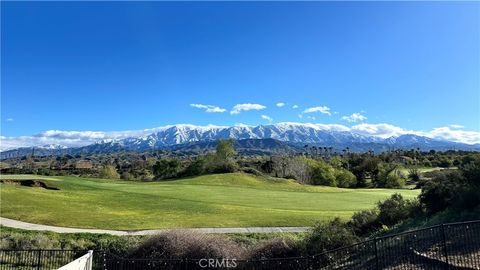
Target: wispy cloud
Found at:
209, 108
380, 130
354, 117
266, 117
295, 106
9, 119
246, 107
280, 104
321, 109
446, 133
456, 126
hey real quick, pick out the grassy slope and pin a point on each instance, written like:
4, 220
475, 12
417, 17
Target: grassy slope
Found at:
405, 171
223, 200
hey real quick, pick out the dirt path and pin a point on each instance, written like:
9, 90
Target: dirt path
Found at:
39, 227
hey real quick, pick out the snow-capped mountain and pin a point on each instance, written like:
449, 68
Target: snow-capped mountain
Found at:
295, 134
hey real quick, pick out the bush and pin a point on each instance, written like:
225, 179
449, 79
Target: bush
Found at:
197, 167
20, 239
227, 166
126, 176
345, 178
183, 244
279, 247
108, 172
167, 168
442, 191
252, 171
394, 180
393, 210
329, 235
364, 222
45, 171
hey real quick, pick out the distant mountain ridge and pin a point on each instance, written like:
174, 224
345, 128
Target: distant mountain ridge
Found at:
272, 137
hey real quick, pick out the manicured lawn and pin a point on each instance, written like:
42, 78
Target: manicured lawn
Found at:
221, 200
425, 169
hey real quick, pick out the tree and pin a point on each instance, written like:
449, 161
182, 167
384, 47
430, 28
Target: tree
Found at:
197, 167
166, 168
345, 178
442, 191
388, 175
108, 172
225, 149
414, 174
322, 174
223, 161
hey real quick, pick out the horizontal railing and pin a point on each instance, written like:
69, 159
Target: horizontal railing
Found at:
445, 246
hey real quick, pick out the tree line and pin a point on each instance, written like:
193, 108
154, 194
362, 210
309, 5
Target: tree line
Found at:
316, 165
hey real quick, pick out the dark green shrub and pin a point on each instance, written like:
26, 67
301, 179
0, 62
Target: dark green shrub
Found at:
197, 167
393, 210
329, 235
442, 191
364, 222
167, 168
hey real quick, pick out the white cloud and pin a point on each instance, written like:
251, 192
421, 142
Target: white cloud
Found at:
9, 119
322, 109
246, 107
300, 115
380, 130
354, 117
456, 126
280, 104
209, 108
333, 127
311, 117
266, 117
463, 136
295, 106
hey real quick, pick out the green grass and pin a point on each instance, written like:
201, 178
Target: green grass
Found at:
221, 200
405, 171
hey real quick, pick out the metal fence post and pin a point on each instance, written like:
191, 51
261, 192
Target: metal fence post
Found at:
104, 260
39, 259
376, 253
447, 265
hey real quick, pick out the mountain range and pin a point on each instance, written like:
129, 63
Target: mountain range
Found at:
269, 138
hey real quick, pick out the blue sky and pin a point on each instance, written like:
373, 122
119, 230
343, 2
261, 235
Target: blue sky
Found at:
104, 66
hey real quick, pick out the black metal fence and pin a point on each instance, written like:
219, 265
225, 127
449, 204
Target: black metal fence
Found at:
37, 259
446, 246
